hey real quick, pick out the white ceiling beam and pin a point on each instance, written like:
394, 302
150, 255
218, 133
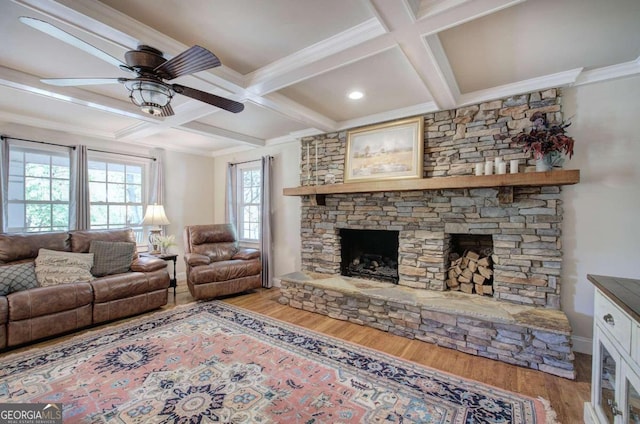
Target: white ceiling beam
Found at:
458, 13
609, 72
560, 79
173, 146
30, 121
262, 80
325, 64
282, 104
293, 136
390, 115
222, 134
230, 151
435, 70
430, 8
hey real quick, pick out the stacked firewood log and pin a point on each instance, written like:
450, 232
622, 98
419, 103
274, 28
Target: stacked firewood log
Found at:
471, 273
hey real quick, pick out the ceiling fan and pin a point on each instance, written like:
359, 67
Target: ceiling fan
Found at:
148, 88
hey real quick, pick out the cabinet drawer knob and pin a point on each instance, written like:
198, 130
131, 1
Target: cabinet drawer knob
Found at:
609, 319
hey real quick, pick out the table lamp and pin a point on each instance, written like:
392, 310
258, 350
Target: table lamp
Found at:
155, 217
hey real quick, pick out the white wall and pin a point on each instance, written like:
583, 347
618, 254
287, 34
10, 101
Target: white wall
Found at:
285, 210
601, 233
190, 190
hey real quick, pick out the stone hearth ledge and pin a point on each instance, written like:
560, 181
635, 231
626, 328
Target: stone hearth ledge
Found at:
528, 336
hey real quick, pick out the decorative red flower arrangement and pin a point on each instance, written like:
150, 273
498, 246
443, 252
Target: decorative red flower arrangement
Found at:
544, 139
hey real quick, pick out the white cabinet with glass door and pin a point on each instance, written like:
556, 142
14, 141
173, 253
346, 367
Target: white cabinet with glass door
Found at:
615, 388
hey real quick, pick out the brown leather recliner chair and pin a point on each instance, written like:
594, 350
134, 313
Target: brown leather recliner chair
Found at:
216, 265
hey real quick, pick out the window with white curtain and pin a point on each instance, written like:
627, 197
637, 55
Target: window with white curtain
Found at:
248, 181
117, 190
38, 188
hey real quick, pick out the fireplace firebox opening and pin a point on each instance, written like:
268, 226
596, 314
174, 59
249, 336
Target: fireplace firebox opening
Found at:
371, 254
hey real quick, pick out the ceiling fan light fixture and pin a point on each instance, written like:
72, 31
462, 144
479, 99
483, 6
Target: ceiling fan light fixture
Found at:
150, 96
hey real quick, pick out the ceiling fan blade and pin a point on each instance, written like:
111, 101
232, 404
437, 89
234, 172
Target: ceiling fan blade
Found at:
65, 82
212, 99
192, 60
72, 40
167, 111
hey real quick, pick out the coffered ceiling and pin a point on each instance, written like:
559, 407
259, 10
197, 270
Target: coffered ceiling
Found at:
293, 62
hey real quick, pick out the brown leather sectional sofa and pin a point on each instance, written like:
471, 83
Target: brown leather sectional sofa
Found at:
41, 312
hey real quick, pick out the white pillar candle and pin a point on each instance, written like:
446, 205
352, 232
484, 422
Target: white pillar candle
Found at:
488, 167
502, 168
479, 168
498, 160
513, 166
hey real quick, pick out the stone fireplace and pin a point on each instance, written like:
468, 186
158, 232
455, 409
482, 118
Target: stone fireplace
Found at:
522, 230
525, 236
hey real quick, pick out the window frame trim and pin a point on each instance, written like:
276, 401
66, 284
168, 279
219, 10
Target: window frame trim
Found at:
48, 150
251, 165
119, 158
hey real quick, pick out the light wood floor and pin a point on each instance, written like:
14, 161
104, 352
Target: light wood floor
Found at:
567, 397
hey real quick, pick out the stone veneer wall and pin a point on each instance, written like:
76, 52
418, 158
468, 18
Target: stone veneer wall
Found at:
526, 233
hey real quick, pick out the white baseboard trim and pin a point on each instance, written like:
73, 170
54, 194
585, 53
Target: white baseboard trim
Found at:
582, 344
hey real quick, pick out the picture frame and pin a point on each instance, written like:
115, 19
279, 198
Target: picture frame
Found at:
392, 150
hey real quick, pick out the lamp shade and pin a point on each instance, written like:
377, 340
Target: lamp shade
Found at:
155, 216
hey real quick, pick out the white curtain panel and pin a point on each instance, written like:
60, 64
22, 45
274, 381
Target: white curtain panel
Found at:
157, 187
79, 207
230, 195
4, 182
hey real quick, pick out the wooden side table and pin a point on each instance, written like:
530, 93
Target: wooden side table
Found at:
167, 257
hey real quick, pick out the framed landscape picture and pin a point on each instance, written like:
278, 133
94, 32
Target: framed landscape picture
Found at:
386, 151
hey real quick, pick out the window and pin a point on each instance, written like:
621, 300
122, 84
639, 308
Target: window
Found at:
116, 193
249, 181
38, 189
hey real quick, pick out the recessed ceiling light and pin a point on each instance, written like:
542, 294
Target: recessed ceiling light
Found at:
356, 95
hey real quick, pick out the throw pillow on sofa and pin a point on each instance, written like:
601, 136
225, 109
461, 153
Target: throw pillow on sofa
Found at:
111, 257
17, 277
54, 267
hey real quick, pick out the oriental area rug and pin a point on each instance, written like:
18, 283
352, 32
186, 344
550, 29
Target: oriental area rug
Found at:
211, 362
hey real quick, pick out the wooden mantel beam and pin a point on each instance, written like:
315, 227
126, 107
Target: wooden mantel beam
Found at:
550, 178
